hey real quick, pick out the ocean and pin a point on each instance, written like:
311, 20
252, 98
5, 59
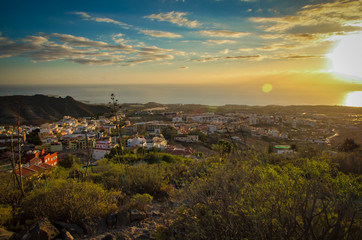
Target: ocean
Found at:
214, 95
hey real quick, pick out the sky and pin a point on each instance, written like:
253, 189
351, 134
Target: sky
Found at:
312, 46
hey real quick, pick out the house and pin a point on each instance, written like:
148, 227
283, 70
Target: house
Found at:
81, 143
157, 142
102, 147
187, 138
136, 142
185, 152
40, 156
283, 149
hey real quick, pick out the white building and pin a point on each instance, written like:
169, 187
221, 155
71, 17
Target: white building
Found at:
102, 147
157, 142
136, 142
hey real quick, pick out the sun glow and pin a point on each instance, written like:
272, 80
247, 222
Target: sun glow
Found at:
346, 57
353, 99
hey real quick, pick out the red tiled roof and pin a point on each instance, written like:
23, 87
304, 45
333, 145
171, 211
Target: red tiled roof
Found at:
36, 168
44, 165
26, 172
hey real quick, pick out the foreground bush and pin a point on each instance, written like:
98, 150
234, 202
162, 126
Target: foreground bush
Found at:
261, 201
69, 201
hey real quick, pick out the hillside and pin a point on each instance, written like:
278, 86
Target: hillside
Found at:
39, 109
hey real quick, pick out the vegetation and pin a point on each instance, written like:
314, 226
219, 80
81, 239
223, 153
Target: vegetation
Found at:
304, 199
33, 137
232, 195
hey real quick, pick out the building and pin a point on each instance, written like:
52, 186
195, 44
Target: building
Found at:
187, 138
78, 144
283, 149
35, 156
184, 152
102, 147
136, 142
157, 142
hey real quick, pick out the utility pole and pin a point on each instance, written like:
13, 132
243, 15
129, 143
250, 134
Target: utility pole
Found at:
13, 164
115, 110
19, 160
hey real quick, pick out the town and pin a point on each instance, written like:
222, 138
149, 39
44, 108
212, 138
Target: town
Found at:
190, 131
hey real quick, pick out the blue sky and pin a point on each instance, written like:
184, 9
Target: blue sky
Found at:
180, 41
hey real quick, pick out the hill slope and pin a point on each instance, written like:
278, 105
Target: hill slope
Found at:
39, 109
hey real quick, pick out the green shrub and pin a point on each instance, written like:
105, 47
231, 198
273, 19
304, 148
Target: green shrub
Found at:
141, 201
5, 214
70, 201
254, 200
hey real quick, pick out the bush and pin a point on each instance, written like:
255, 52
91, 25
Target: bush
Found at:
141, 201
5, 214
237, 200
69, 201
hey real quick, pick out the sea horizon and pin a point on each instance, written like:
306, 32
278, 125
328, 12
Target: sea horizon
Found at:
211, 94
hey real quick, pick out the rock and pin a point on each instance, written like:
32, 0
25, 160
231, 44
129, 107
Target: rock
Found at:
6, 235
109, 237
155, 213
136, 215
111, 220
42, 230
66, 235
89, 225
143, 237
102, 226
73, 229
123, 219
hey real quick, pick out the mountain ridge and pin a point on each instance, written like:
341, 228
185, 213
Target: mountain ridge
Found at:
38, 109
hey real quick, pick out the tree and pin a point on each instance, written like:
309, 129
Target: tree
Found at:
69, 161
202, 136
349, 145
33, 137
169, 132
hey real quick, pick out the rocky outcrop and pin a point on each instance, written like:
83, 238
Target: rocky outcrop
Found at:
6, 235
42, 230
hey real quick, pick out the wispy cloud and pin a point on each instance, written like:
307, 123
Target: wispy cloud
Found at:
86, 16
175, 18
322, 18
219, 42
223, 33
78, 41
160, 34
56, 46
183, 68
243, 57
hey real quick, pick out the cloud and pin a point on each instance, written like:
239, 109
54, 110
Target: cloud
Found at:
78, 41
276, 46
225, 51
118, 38
9, 48
160, 34
318, 18
245, 49
81, 50
223, 33
183, 68
86, 16
175, 18
250, 57
82, 14
219, 42
94, 61
300, 57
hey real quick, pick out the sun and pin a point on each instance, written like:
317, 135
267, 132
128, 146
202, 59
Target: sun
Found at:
346, 57
353, 99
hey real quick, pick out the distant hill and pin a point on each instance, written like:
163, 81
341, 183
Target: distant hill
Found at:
39, 109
